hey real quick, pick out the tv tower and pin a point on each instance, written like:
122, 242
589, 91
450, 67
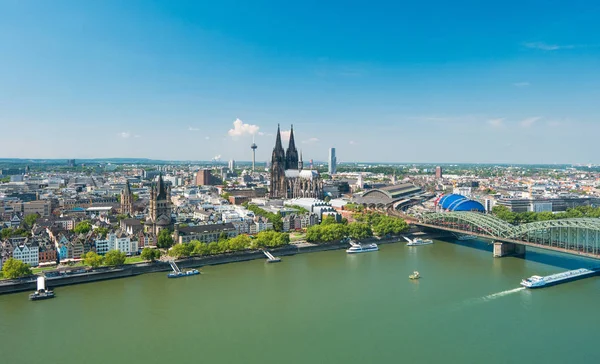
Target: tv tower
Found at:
253, 147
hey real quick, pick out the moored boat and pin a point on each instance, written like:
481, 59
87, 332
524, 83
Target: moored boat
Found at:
417, 241
415, 275
41, 293
360, 248
180, 274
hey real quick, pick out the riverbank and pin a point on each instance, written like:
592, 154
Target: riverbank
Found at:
192, 262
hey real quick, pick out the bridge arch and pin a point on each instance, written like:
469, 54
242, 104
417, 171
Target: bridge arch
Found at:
576, 235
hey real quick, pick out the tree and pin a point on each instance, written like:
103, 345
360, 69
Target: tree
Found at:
213, 248
150, 254
102, 232
121, 217
114, 257
30, 219
328, 220
83, 227
13, 268
271, 239
6, 233
92, 259
239, 243
181, 250
358, 230
165, 240
200, 248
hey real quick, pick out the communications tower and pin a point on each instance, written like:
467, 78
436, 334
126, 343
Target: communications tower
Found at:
253, 147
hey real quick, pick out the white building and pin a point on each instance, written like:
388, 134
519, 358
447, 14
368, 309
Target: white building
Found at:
117, 241
28, 254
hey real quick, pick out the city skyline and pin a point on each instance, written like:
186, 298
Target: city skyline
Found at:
395, 83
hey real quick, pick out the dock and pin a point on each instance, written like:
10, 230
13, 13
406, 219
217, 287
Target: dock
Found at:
271, 258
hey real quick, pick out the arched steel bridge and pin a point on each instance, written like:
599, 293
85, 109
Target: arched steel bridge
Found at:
579, 236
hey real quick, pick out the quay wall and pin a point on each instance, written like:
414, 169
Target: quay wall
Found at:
193, 262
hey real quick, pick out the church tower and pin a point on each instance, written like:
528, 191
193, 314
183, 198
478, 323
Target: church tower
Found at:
300, 163
127, 200
291, 155
159, 210
278, 164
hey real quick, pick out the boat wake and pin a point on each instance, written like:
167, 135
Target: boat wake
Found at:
488, 298
502, 294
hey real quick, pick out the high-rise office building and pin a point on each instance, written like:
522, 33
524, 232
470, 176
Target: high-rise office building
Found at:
203, 177
438, 172
332, 161
231, 165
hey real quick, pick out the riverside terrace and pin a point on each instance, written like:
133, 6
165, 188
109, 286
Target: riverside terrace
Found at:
578, 236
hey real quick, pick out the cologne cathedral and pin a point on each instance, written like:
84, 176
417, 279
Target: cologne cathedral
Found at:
288, 177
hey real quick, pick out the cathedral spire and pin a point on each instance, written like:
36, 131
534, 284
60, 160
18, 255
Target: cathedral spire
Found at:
292, 142
300, 163
278, 141
291, 154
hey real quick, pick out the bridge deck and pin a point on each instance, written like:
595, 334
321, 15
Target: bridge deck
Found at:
533, 245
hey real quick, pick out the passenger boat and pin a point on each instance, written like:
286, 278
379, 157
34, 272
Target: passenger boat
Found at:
417, 241
41, 293
563, 277
359, 248
187, 273
415, 275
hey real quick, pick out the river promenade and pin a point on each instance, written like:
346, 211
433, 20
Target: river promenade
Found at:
130, 270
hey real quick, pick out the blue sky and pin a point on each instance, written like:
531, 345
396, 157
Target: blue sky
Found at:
435, 81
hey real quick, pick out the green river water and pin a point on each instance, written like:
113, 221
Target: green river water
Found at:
326, 307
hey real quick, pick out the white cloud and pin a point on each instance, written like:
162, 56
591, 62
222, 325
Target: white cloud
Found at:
551, 47
526, 123
496, 123
310, 141
191, 128
240, 128
124, 134
554, 123
521, 84
542, 46
217, 157
352, 142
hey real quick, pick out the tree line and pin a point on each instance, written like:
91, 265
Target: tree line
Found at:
264, 239
365, 226
504, 213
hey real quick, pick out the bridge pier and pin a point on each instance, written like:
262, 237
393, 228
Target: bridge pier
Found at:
505, 249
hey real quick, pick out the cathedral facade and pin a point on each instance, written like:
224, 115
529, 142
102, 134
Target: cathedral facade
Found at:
159, 209
289, 179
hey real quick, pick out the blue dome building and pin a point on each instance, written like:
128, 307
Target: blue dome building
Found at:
455, 202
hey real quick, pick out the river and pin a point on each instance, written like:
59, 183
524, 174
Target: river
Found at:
325, 307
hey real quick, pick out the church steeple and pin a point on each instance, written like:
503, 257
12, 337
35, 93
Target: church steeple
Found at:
291, 154
300, 163
278, 140
278, 164
127, 200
